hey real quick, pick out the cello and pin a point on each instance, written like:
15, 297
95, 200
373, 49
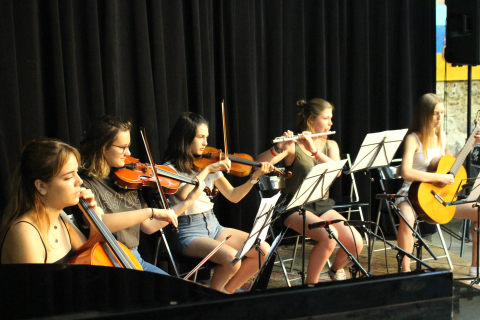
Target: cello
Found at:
101, 248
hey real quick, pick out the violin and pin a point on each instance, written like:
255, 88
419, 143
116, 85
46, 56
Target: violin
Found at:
101, 248
135, 175
242, 163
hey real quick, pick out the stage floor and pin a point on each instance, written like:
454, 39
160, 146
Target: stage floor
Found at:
466, 299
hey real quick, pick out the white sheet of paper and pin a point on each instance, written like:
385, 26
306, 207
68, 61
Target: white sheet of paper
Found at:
393, 139
305, 190
262, 220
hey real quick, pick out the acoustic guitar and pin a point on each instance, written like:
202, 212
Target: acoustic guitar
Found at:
430, 200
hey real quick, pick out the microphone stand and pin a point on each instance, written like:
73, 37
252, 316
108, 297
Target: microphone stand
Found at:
418, 245
356, 265
400, 252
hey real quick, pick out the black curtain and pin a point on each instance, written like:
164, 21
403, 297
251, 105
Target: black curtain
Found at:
63, 63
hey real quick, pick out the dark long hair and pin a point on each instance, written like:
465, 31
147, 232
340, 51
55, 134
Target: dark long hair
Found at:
98, 139
180, 141
42, 160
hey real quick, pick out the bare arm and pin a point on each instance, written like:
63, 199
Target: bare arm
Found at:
150, 226
236, 194
185, 190
23, 244
288, 153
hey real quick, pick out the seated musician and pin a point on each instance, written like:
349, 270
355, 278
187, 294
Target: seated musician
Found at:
425, 137
35, 229
300, 156
199, 230
105, 147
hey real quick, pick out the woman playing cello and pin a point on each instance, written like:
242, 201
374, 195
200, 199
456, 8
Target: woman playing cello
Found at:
199, 230
105, 149
35, 229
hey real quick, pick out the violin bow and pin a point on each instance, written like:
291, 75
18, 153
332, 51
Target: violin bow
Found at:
224, 129
150, 159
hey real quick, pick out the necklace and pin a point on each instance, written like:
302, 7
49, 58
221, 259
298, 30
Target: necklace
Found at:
53, 238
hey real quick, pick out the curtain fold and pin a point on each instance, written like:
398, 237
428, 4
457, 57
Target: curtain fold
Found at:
66, 62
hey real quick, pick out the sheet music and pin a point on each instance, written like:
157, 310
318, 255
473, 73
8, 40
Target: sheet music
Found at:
260, 225
475, 192
306, 190
391, 141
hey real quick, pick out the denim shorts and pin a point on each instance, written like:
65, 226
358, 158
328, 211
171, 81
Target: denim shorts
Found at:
193, 226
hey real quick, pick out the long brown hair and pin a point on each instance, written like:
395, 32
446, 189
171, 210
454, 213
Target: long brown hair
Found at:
312, 108
41, 159
422, 121
98, 139
180, 140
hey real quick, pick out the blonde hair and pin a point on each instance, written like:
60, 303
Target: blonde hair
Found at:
98, 139
422, 121
312, 108
40, 160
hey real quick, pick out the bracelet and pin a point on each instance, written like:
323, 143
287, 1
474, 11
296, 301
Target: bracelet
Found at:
315, 154
151, 218
273, 152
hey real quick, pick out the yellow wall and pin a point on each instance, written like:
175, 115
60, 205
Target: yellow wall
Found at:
454, 73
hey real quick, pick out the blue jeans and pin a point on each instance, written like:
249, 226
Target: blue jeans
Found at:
193, 226
145, 265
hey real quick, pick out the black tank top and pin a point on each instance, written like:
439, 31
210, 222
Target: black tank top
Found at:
65, 258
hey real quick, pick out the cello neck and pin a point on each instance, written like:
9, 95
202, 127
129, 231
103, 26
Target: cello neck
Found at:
107, 235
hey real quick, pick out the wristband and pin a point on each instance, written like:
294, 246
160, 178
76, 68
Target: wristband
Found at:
151, 218
273, 152
277, 149
315, 154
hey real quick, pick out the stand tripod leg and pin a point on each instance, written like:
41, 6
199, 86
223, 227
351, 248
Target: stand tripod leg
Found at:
169, 252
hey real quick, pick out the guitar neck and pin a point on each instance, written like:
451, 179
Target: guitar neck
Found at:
462, 155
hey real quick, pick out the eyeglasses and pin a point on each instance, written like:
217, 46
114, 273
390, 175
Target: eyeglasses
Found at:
123, 148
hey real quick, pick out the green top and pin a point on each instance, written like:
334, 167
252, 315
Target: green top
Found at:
300, 167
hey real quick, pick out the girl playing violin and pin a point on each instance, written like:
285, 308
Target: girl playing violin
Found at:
104, 149
35, 229
425, 137
199, 230
300, 156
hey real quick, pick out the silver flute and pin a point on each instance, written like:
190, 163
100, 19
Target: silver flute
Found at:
281, 139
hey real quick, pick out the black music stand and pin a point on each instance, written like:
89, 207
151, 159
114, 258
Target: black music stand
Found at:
260, 282
377, 150
473, 197
313, 188
259, 231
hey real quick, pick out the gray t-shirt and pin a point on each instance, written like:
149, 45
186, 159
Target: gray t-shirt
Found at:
112, 199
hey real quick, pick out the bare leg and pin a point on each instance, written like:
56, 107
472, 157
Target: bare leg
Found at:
249, 265
321, 250
350, 238
202, 246
466, 211
225, 275
405, 234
